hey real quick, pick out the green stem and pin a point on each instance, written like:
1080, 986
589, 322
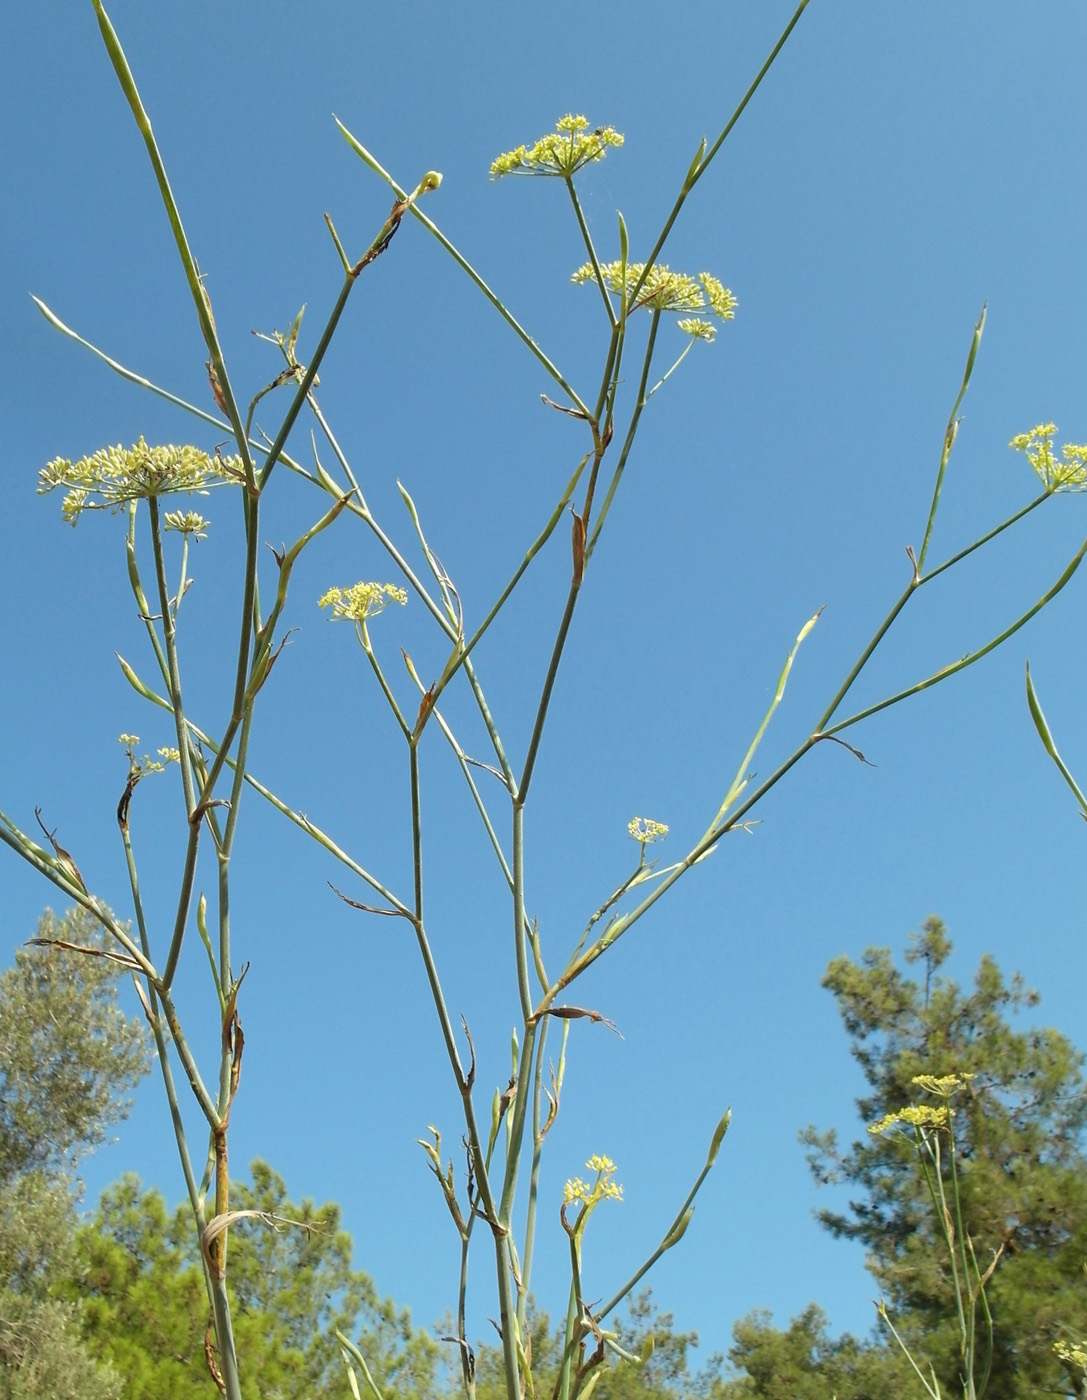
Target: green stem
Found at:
533, 1180
583, 226
699, 169
949, 438
541, 539
463, 263
508, 1314
520, 941
545, 695
188, 262
161, 1043
34, 855
310, 828
999, 529
628, 442
970, 657
169, 635
138, 593
467, 1364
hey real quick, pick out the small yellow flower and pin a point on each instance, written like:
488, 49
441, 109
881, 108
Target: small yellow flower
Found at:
698, 330
942, 1084
129, 740
189, 522
561, 152
644, 830
170, 755
113, 475
575, 1190
1073, 1353
602, 1189
915, 1115
1069, 473
663, 289
361, 601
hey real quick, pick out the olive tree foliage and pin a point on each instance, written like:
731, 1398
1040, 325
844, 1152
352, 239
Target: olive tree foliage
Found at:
69, 1057
492, 1196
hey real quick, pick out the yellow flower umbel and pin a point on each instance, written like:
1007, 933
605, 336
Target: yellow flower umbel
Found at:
138, 767
921, 1116
665, 290
1073, 1354
361, 601
1068, 473
644, 830
561, 153
189, 523
113, 475
589, 1195
926, 1117
942, 1085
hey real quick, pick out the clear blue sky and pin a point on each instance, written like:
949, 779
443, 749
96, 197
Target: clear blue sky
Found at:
901, 165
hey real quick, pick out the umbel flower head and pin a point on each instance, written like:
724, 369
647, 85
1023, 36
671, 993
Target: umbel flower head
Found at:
187, 522
361, 601
601, 1189
921, 1116
644, 829
113, 475
665, 290
561, 152
1068, 473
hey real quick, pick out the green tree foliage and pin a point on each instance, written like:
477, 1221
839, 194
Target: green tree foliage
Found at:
292, 1286
68, 1054
805, 1361
666, 1374
1019, 1129
68, 1058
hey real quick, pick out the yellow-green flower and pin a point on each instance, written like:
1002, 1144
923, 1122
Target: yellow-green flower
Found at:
1068, 473
643, 829
698, 330
942, 1084
920, 1116
602, 1188
113, 475
561, 152
137, 767
188, 522
1073, 1354
665, 290
362, 600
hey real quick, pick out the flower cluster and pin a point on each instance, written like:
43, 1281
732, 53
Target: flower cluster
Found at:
926, 1116
189, 522
697, 329
1073, 1354
362, 600
561, 152
644, 830
944, 1085
916, 1115
603, 1188
1068, 473
665, 290
113, 475
146, 765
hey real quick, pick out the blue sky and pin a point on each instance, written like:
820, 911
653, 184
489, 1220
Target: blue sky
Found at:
900, 166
